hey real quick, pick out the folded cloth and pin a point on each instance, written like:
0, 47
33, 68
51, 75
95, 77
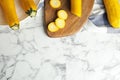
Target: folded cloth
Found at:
41, 4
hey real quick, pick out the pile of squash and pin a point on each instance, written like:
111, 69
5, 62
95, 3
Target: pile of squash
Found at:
62, 15
8, 7
9, 10
112, 8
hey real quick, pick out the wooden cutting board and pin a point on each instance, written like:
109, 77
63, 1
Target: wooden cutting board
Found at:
20, 12
73, 23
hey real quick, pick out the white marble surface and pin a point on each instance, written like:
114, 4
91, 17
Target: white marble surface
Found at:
29, 54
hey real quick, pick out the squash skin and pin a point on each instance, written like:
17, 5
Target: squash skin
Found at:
76, 7
29, 7
9, 10
113, 12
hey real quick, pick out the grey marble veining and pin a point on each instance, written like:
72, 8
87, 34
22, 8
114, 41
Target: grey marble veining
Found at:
29, 54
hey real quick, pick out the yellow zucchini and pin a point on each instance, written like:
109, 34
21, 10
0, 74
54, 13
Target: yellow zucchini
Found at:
9, 10
62, 14
29, 7
60, 23
52, 27
76, 7
113, 12
55, 3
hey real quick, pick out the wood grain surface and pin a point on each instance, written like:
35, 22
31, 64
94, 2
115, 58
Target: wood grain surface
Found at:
73, 23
